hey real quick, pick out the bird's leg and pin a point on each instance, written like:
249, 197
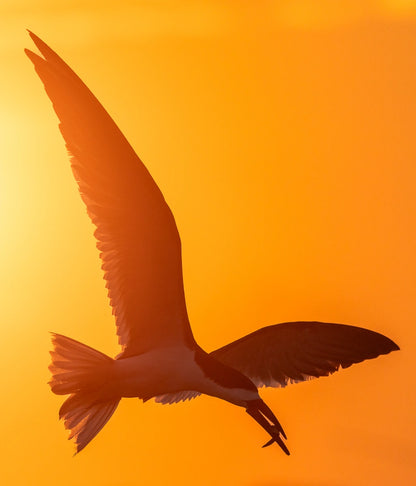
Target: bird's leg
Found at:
261, 412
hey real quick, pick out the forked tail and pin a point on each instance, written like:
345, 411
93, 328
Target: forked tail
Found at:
82, 372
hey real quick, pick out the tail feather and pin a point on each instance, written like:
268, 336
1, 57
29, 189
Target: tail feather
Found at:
85, 421
99, 416
82, 372
76, 366
73, 402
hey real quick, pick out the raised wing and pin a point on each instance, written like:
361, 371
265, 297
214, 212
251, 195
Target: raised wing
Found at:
137, 236
297, 351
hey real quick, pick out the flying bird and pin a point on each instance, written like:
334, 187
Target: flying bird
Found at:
140, 249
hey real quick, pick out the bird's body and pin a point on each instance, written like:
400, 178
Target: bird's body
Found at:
140, 249
177, 370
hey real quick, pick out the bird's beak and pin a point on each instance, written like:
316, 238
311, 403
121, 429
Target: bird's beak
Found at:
266, 418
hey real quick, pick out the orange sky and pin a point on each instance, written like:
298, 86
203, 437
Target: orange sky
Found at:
282, 136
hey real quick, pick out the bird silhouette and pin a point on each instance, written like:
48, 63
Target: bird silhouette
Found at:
140, 249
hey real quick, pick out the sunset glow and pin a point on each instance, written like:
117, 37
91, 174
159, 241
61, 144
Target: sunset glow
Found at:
282, 137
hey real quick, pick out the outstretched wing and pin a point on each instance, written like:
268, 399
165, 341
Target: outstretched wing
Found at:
297, 351
137, 236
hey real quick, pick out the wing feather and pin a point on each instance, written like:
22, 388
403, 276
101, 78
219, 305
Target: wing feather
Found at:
297, 351
136, 232
176, 397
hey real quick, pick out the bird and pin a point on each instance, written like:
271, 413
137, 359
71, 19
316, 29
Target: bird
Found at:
140, 250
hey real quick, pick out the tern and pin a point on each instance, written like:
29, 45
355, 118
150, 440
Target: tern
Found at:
140, 249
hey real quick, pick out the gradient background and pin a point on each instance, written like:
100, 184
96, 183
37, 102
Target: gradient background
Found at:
282, 136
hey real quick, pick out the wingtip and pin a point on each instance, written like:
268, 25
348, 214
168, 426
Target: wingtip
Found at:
29, 53
392, 346
45, 50
37, 40
33, 36
35, 58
